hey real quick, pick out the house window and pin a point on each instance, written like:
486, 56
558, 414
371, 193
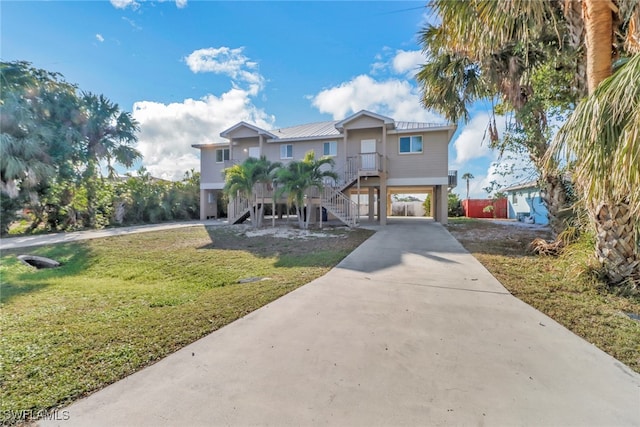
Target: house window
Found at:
286, 151
514, 198
330, 149
222, 155
410, 144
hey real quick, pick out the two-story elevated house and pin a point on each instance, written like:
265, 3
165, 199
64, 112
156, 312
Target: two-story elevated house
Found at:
375, 156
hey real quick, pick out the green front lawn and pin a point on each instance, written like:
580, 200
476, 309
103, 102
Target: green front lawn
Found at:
119, 304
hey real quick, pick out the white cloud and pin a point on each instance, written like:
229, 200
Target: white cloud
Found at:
99, 38
123, 4
398, 62
393, 97
407, 62
472, 143
168, 130
227, 61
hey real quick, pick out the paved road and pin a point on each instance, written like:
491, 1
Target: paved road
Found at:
408, 330
49, 239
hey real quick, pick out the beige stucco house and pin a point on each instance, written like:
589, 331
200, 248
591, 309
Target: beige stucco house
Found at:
375, 156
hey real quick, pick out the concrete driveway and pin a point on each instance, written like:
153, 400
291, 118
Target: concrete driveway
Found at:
408, 330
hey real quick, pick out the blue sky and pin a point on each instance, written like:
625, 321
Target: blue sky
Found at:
189, 69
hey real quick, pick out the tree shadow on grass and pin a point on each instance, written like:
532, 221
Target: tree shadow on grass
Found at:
19, 279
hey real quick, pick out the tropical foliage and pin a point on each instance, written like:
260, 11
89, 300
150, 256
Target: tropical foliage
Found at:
54, 143
605, 160
242, 179
516, 60
298, 177
523, 68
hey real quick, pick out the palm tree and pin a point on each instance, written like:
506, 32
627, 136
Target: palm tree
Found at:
38, 136
108, 134
466, 63
468, 176
298, 177
242, 178
602, 140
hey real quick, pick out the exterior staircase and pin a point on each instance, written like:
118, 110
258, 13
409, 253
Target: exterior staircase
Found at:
335, 200
340, 206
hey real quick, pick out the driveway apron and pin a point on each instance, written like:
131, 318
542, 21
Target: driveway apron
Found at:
409, 329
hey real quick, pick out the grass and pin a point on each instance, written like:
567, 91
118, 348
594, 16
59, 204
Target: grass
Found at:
565, 288
119, 304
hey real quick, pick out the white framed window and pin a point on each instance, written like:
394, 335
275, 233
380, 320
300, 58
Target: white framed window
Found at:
222, 155
410, 144
286, 151
330, 148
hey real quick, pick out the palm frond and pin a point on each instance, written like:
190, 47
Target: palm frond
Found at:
601, 140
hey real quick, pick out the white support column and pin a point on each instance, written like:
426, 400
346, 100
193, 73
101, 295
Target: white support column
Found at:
203, 204
432, 205
383, 200
442, 206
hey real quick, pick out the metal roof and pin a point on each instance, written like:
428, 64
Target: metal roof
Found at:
310, 130
419, 125
329, 129
530, 184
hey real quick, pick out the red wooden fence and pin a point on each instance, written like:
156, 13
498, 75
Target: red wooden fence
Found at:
473, 208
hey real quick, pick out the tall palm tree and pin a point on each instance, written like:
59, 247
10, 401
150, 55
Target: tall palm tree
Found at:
468, 177
602, 141
299, 176
602, 138
109, 134
466, 63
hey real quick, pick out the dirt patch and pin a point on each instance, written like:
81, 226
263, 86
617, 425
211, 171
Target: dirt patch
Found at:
494, 236
270, 241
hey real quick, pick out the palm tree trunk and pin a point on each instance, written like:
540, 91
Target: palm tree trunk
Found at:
599, 31
558, 201
617, 241
616, 238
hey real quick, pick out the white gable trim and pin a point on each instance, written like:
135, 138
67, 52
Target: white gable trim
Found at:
227, 133
388, 121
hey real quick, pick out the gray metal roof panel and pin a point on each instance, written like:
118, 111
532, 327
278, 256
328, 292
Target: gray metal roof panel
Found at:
419, 125
309, 130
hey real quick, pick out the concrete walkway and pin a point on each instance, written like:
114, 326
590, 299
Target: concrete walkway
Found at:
408, 330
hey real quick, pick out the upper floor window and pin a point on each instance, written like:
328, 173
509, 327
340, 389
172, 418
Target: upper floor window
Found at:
410, 144
330, 149
222, 155
286, 151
